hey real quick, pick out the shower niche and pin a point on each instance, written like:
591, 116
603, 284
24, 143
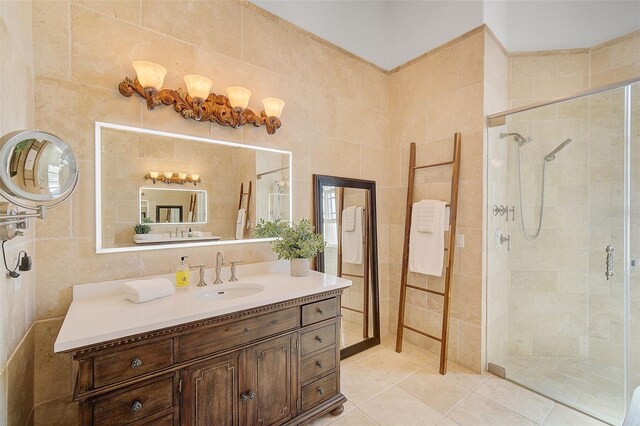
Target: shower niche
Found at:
562, 295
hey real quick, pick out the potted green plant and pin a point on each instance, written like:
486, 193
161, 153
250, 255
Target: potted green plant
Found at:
142, 229
297, 243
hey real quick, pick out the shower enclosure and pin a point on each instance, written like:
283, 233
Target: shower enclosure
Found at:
563, 248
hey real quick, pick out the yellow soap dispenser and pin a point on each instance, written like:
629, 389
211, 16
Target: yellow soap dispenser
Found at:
182, 275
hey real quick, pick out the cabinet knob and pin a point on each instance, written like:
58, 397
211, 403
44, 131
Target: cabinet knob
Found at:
136, 363
321, 311
136, 406
246, 329
320, 391
319, 339
252, 395
244, 397
319, 364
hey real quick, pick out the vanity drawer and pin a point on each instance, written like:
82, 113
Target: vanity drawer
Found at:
132, 362
319, 391
319, 311
317, 365
318, 338
134, 404
216, 338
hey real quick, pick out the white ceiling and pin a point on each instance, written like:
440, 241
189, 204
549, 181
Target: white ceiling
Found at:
389, 33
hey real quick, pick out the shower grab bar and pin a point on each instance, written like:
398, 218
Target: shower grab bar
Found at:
609, 272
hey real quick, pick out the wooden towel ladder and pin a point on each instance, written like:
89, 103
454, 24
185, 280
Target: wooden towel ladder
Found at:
449, 251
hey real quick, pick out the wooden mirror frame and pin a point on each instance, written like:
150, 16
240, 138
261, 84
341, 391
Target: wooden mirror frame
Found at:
319, 182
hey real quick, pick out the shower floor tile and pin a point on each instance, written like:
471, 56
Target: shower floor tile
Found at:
589, 385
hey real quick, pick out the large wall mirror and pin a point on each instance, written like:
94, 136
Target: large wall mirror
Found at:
345, 214
157, 190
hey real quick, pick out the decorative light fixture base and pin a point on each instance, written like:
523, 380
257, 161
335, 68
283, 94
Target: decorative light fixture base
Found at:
216, 108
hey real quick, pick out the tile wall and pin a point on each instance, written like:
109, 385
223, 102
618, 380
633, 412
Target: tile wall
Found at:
17, 296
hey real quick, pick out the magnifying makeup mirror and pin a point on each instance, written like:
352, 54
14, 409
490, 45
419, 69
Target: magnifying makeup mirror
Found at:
37, 171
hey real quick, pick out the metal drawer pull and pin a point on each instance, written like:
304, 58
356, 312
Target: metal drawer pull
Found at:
319, 364
136, 363
321, 311
246, 329
252, 395
244, 397
136, 406
319, 339
320, 391
609, 272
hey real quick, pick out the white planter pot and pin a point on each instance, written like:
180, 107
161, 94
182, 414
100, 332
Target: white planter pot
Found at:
299, 267
140, 237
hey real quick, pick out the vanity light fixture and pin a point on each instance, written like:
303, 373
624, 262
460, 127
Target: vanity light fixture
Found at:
171, 177
199, 103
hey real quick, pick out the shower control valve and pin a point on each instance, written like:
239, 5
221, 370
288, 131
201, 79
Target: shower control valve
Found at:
504, 210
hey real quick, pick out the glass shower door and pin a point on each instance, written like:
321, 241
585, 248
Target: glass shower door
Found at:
556, 252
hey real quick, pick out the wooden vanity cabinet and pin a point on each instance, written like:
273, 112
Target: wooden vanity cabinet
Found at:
273, 365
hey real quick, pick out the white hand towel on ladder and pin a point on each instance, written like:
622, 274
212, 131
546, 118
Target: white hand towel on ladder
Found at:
240, 222
426, 249
352, 241
349, 219
426, 215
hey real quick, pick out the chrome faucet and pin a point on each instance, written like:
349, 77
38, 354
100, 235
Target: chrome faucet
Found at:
219, 263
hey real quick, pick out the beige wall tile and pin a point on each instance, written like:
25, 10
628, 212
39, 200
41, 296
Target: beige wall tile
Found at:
20, 373
52, 368
194, 21
52, 38
127, 10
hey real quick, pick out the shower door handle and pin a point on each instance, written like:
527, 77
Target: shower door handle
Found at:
609, 272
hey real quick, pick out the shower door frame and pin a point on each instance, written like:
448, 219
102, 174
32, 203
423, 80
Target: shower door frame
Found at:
499, 119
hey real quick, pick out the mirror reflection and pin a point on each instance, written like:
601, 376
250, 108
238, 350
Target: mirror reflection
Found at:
345, 216
39, 166
178, 206
159, 188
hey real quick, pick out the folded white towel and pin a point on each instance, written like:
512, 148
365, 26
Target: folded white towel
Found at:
240, 222
425, 213
352, 241
426, 250
349, 219
140, 291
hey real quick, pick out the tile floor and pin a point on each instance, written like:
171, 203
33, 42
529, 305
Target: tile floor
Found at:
387, 388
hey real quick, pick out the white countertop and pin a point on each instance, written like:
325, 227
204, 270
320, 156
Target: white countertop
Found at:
99, 312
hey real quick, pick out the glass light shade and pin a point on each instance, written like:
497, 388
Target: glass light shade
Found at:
182, 176
153, 175
168, 175
195, 176
238, 96
198, 86
150, 74
273, 107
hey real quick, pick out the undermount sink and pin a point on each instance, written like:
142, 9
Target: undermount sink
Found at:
232, 291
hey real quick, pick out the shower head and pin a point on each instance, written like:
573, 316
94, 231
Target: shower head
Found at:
517, 138
552, 155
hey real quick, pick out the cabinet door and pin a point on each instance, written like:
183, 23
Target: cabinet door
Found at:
272, 375
210, 392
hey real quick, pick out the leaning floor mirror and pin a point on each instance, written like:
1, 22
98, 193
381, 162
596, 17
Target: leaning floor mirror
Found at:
345, 214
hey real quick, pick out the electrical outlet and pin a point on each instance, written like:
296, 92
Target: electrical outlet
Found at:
460, 240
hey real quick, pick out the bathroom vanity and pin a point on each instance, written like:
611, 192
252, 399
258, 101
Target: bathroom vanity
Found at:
263, 351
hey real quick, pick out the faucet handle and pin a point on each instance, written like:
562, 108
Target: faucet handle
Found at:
201, 283
233, 270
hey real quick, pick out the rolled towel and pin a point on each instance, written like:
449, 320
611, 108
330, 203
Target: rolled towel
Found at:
140, 291
349, 219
